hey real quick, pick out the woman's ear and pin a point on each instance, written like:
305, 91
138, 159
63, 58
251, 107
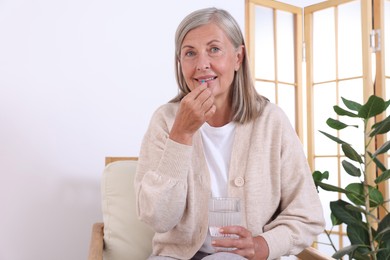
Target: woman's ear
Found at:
240, 53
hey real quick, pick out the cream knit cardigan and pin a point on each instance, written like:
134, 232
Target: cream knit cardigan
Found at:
268, 171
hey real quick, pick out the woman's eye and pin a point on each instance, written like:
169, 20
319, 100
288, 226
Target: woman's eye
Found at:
214, 49
189, 54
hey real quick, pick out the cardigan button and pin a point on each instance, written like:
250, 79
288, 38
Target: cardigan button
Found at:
239, 181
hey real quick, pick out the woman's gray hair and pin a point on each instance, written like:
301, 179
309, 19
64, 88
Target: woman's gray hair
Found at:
247, 104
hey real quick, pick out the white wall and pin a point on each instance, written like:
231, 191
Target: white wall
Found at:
79, 80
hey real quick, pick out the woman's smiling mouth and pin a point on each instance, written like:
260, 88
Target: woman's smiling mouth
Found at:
206, 79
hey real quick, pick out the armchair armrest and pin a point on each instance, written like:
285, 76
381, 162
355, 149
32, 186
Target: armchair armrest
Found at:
96, 244
312, 253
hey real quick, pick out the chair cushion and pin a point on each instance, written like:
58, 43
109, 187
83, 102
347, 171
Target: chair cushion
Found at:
125, 237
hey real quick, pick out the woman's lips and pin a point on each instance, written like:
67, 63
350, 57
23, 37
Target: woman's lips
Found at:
206, 79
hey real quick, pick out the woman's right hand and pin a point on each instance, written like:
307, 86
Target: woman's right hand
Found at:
195, 109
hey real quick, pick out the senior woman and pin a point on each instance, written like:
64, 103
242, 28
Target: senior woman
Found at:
220, 138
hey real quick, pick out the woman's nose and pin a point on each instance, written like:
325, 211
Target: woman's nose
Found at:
203, 62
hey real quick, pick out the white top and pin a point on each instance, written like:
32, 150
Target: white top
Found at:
217, 144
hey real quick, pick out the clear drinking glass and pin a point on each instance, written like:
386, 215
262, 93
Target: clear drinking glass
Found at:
223, 212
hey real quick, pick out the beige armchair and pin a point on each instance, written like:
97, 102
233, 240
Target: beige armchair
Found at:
122, 235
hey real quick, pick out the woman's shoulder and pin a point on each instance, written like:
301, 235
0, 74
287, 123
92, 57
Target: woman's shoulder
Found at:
272, 111
272, 117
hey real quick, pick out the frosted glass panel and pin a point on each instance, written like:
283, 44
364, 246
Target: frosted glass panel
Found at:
266, 89
330, 165
349, 40
264, 43
324, 245
324, 55
346, 241
324, 99
285, 46
387, 39
286, 100
352, 90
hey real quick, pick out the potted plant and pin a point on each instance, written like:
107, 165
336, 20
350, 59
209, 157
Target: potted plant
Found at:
369, 236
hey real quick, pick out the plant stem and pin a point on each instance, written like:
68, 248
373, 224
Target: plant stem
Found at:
367, 202
367, 196
384, 207
330, 239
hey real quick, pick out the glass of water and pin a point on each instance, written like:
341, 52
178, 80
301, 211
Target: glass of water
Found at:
223, 212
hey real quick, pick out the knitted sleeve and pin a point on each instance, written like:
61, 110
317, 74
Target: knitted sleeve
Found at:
161, 177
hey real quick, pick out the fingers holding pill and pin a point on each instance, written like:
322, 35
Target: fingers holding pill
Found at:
195, 109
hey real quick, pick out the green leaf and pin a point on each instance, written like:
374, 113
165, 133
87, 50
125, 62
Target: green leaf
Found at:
319, 176
383, 254
383, 177
351, 104
329, 187
356, 209
351, 153
377, 162
383, 228
374, 106
384, 251
336, 124
335, 221
381, 127
358, 236
384, 148
337, 140
345, 251
359, 256
356, 195
343, 112
376, 197
383, 234
351, 169
345, 215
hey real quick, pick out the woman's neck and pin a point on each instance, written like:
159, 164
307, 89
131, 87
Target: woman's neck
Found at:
222, 116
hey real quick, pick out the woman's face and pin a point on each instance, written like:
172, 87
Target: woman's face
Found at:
207, 55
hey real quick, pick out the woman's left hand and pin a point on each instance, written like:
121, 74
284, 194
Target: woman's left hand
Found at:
252, 248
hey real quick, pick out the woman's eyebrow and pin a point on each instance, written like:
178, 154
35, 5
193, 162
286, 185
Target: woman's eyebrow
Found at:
208, 43
186, 46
